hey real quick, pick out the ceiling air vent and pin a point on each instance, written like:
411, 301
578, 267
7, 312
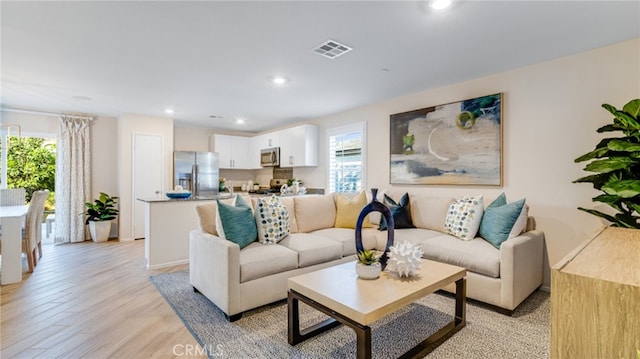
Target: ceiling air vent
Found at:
332, 49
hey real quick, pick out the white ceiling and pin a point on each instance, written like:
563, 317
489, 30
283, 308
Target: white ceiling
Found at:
216, 58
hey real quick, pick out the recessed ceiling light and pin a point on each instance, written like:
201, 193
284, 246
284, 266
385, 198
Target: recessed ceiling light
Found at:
170, 111
240, 121
439, 4
279, 80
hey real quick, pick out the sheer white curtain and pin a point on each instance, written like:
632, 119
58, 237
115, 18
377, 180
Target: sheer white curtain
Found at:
73, 177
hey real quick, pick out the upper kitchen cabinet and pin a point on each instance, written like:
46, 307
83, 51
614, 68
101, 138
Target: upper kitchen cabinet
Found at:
267, 140
234, 151
299, 146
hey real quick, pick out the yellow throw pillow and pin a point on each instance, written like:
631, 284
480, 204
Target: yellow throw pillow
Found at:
348, 210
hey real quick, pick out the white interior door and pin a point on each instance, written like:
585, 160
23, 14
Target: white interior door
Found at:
147, 176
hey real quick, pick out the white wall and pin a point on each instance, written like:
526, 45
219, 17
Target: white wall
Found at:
104, 156
191, 139
103, 144
551, 113
128, 125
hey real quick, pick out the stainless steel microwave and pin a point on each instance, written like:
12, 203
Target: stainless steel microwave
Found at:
270, 157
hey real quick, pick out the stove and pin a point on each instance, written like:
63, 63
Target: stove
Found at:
276, 183
274, 186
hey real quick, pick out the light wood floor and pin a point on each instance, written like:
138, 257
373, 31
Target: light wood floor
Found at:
91, 300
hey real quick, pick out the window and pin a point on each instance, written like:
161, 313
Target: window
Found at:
347, 158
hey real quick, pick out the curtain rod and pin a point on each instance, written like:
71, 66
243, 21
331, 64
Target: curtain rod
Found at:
34, 112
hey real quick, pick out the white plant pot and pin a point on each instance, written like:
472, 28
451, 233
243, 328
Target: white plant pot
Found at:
368, 271
100, 230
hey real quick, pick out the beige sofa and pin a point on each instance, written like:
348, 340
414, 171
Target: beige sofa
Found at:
238, 280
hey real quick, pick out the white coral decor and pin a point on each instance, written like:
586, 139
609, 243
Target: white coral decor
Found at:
404, 258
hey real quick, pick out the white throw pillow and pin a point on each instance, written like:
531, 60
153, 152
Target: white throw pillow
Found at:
521, 222
464, 217
272, 220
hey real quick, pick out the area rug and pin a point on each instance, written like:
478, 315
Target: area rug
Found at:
262, 332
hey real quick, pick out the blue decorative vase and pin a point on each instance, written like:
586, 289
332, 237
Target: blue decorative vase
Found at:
375, 206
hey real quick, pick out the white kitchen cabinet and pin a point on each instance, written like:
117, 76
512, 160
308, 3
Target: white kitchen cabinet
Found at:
234, 151
299, 146
267, 140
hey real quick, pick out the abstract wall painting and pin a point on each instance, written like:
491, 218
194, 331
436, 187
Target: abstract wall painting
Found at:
459, 143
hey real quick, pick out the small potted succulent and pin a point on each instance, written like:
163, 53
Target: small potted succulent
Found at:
368, 266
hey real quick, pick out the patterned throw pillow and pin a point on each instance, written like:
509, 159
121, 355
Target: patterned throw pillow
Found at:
464, 216
272, 220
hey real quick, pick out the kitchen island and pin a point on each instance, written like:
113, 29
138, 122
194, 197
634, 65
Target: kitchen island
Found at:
167, 226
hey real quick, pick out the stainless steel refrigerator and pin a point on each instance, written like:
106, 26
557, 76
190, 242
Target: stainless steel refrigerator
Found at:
197, 172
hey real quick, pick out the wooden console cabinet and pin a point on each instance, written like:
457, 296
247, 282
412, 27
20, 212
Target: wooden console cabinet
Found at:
595, 298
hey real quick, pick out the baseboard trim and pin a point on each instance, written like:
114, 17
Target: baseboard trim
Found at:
545, 288
168, 264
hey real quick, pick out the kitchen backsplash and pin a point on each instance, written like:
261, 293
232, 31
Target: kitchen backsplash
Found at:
282, 172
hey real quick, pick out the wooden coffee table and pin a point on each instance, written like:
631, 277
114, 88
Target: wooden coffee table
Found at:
339, 293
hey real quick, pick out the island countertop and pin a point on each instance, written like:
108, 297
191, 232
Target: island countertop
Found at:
190, 199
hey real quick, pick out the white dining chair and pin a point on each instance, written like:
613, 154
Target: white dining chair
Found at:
33, 227
12, 196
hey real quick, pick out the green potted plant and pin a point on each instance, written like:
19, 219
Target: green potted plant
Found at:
99, 214
368, 266
616, 164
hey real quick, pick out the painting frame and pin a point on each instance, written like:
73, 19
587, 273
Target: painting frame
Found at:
458, 143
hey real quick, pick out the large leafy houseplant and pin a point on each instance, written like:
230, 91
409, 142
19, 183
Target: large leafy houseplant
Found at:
99, 215
102, 209
616, 164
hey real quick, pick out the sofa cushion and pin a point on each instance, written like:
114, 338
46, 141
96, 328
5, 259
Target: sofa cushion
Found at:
464, 216
312, 249
289, 203
348, 238
400, 211
207, 215
498, 220
237, 222
430, 212
272, 220
477, 255
259, 260
415, 236
315, 212
348, 210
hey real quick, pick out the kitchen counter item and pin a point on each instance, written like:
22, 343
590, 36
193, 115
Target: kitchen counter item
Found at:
181, 195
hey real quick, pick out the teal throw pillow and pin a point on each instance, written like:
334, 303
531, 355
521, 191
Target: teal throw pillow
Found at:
401, 212
238, 222
498, 220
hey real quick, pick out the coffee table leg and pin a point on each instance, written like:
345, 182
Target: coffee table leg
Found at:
363, 340
297, 335
461, 302
293, 316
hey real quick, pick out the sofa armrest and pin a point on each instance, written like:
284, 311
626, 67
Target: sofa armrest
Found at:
214, 269
521, 267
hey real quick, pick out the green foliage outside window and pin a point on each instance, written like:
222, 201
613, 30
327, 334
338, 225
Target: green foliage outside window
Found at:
31, 163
